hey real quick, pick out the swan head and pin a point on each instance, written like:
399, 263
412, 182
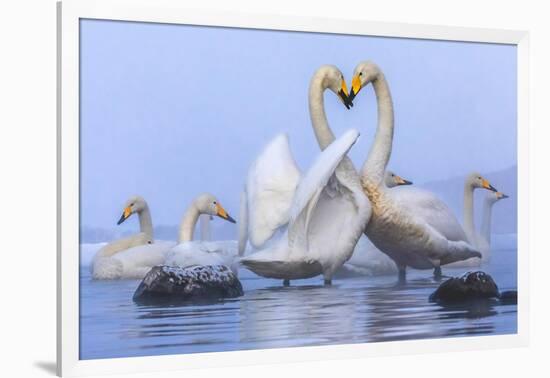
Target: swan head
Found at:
208, 204
332, 78
475, 180
135, 204
392, 180
364, 73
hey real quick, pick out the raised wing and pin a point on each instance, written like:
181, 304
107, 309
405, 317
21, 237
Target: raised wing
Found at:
321, 182
270, 187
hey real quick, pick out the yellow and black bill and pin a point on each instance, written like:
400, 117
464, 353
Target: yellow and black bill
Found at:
344, 96
125, 215
486, 185
220, 212
355, 87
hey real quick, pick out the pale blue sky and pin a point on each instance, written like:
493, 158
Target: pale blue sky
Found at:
170, 111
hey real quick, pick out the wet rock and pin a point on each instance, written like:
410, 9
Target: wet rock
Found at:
198, 283
509, 297
471, 286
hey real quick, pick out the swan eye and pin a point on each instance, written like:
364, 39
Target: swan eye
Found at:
214, 202
360, 73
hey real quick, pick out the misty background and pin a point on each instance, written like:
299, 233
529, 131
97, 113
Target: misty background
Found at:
171, 111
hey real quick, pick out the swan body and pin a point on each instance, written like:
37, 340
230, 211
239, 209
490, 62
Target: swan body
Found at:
326, 219
189, 252
131, 257
412, 227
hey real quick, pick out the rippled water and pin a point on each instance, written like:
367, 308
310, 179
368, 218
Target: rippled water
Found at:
353, 310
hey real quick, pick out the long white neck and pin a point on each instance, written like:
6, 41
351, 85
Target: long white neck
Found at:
205, 227
188, 223
468, 213
379, 155
486, 221
145, 222
319, 121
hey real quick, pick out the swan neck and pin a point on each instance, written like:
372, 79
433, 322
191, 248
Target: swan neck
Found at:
379, 155
486, 221
188, 223
319, 122
205, 227
468, 214
145, 222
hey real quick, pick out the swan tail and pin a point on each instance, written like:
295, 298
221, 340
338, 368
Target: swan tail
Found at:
243, 224
106, 268
460, 251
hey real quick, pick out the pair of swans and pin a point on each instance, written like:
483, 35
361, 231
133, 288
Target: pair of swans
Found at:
304, 224
412, 227
134, 256
481, 239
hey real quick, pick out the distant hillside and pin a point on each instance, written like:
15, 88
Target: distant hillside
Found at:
504, 212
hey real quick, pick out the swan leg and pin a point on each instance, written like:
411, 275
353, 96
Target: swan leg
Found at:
402, 273
437, 272
286, 282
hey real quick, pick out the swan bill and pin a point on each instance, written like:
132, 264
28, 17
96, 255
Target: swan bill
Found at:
401, 181
344, 96
355, 87
220, 212
501, 195
488, 186
125, 215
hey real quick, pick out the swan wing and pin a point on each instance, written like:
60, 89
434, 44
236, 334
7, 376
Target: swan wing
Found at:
427, 207
270, 187
330, 210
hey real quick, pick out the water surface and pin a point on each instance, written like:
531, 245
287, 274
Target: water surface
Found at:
353, 310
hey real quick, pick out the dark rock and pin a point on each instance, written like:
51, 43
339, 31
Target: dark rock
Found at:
471, 286
198, 283
509, 297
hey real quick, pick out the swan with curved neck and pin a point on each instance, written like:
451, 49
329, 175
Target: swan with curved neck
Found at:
321, 214
133, 256
189, 252
402, 226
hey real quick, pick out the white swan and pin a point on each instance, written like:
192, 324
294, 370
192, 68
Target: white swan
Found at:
131, 257
189, 252
411, 226
367, 259
327, 217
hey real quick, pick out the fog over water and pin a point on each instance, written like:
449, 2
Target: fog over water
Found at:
170, 111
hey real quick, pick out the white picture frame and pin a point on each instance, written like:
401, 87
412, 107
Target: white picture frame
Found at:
170, 11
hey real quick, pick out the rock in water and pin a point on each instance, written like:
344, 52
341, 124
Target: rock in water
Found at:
198, 283
471, 286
